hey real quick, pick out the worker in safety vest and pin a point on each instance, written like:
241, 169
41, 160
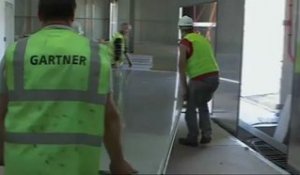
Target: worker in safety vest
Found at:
198, 63
56, 101
119, 46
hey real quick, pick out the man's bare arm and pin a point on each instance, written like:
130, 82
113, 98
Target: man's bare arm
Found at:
112, 133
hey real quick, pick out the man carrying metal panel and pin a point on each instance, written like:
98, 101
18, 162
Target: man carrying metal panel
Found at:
198, 63
56, 101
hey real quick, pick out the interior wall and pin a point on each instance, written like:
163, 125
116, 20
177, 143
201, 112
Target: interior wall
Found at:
155, 29
230, 22
124, 11
152, 22
156, 20
93, 15
26, 20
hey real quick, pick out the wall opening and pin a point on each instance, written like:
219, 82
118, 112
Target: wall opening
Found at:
263, 54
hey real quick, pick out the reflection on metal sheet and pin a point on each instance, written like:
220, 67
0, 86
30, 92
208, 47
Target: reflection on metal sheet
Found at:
148, 102
229, 55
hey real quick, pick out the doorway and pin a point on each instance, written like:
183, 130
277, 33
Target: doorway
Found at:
263, 54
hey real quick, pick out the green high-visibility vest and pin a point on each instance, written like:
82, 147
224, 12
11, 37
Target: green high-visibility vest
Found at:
58, 83
118, 35
202, 60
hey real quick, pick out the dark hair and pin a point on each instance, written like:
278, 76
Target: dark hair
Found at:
56, 9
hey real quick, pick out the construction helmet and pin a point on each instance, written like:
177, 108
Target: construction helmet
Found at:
186, 21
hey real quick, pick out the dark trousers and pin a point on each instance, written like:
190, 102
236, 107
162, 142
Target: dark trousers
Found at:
200, 92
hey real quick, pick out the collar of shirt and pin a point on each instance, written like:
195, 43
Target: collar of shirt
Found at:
57, 26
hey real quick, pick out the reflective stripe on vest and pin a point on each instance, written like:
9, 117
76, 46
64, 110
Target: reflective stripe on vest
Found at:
89, 96
54, 139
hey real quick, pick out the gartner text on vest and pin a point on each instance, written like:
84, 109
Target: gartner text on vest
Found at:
58, 60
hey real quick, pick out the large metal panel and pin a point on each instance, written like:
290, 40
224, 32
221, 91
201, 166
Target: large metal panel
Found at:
150, 108
229, 44
294, 143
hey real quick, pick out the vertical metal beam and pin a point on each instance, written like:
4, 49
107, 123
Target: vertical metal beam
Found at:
132, 22
294, 142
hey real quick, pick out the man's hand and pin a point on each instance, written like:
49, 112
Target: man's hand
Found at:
122, 167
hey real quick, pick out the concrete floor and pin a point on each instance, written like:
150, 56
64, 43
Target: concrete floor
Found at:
225, 155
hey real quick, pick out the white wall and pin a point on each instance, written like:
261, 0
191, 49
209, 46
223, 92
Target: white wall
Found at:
2, 26
263, 47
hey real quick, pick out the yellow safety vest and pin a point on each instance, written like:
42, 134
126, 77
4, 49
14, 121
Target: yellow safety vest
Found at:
58, 83
202, 60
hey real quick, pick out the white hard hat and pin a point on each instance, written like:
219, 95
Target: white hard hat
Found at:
185, 21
